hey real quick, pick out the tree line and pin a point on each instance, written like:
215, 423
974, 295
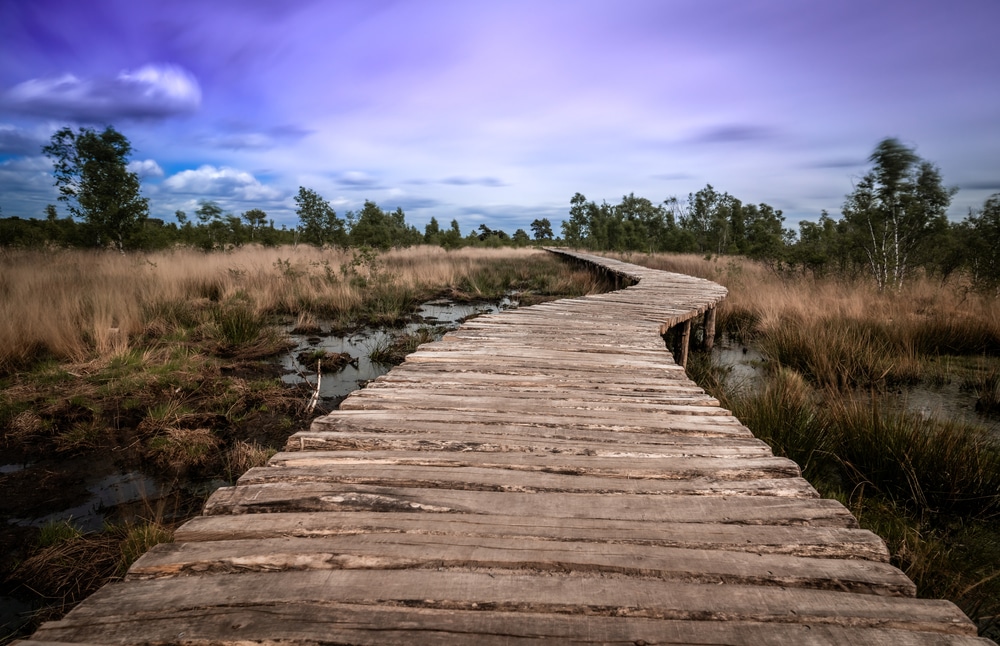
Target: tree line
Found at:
893, 222
106, 209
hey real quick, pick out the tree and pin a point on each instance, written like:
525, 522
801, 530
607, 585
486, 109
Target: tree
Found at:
211, 229
541, 229
255, 219
319, 224
91, 171
981, 231
376, 228
432, 232
894, 210
575, 230
452, 238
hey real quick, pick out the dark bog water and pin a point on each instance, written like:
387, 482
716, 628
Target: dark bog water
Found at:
437, 317
949, 401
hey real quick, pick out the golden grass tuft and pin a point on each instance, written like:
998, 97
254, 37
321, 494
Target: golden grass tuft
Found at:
243, 456
179, 449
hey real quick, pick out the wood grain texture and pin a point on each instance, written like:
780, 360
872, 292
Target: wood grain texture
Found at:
546, 474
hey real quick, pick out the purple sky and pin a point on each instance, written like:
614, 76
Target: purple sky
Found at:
498, 112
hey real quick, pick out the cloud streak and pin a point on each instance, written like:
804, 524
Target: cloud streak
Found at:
212, 181
150, 92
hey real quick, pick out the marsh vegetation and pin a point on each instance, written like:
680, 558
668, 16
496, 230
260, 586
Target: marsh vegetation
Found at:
840, 386
162, 373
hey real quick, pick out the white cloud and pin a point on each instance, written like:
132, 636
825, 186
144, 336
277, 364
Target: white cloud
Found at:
212, 182
150, 92
145, 168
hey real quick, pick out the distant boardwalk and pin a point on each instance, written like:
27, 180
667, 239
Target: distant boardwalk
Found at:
544, 474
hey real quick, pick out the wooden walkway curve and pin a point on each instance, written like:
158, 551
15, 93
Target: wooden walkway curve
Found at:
544, 474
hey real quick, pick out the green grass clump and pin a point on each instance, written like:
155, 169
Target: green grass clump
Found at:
785, 415
56, 532
239, 324
392, 350
933, 468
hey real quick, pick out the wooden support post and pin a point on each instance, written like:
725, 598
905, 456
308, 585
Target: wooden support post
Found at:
709, 339
685, 341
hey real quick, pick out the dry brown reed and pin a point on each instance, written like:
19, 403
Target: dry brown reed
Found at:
841, 333
72, 304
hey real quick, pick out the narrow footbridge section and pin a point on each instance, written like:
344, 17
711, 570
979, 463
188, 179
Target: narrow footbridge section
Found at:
547, 474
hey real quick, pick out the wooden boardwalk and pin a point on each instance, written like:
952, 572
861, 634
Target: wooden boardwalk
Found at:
543, 474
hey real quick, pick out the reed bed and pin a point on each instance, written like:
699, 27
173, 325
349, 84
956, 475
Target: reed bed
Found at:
71, 305
839, 353
845, 334
165, 360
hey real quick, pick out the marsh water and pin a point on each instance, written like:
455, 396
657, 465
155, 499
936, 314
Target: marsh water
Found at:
93, 489
943, 401
433, 318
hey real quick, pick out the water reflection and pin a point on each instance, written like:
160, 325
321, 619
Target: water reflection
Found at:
746, 370
437, 316
104, 494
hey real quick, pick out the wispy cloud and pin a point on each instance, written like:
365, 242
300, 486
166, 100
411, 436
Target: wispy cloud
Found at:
224, 181
145, 168
474, 181
837, 163
993, 185
358, 179
669, 177
247, 138
733, 133
150, 92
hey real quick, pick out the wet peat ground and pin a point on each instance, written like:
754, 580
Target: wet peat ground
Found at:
112, 485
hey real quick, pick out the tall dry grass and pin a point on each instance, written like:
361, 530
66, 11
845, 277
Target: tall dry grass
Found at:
839, 351
73, 304
845, 334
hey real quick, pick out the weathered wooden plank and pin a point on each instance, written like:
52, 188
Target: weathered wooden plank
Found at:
597, 382
554, 593
634, 466
818, 542
652, 426
338, 496
556, 392
494, 479
422, 551
462, 437
321, 622
386, 400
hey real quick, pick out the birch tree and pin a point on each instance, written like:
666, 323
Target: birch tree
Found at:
894, 210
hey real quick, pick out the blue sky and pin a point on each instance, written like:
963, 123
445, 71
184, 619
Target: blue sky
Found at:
498, 112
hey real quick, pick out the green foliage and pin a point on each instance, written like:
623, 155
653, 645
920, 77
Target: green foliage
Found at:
979, 240
894, 212
541, 229
55, 532
710, 223
318, 222
238, 323
373, 227
91, 171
